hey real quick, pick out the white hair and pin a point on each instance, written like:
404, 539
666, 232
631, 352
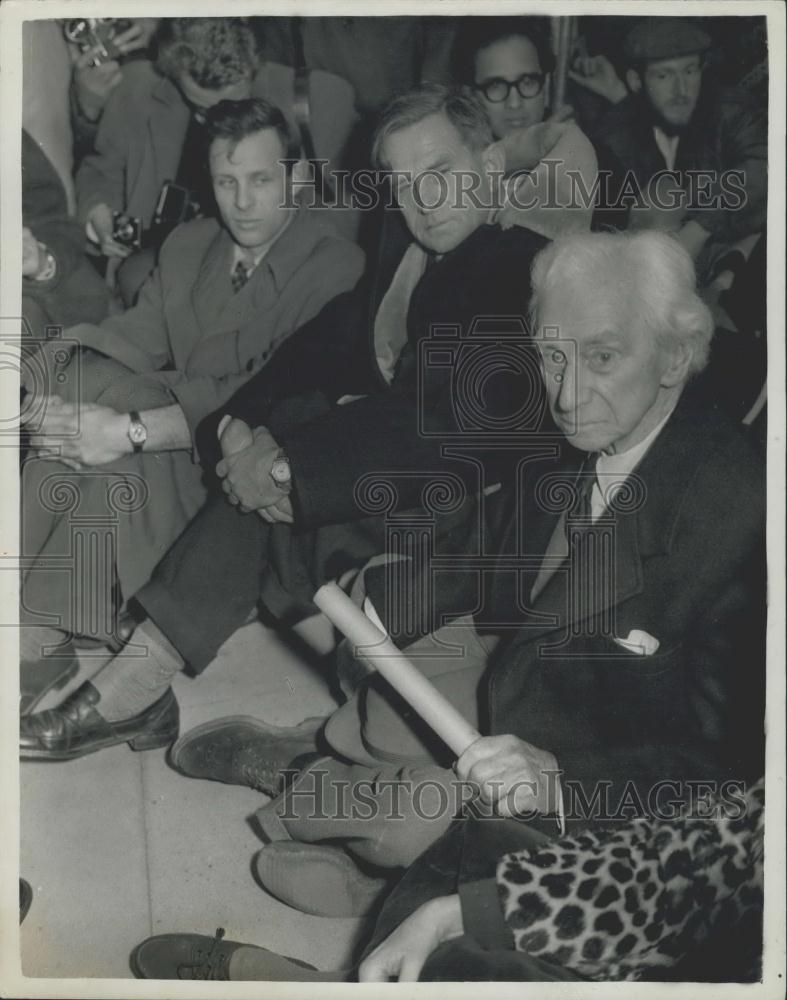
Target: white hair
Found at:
648, 266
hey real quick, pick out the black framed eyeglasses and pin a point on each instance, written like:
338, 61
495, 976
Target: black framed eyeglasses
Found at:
497, 89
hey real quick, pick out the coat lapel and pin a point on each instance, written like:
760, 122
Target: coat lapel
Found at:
212, 290
605, 565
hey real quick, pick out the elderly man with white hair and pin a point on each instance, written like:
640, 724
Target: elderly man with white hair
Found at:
628, 590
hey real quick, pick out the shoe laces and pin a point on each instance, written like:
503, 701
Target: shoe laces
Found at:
210, 963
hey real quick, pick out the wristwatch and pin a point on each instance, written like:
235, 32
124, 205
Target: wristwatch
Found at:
137, 432
281, 472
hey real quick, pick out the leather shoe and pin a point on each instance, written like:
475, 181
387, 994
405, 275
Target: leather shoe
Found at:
125, 626
239, 750
76, 728
196, 956
38, 678
320, 880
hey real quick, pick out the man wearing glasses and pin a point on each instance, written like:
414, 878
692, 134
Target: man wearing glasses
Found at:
507, 63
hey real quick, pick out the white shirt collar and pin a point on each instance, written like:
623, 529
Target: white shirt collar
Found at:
668, 145
612, 470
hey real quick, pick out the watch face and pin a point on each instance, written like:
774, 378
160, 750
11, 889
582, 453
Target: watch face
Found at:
138, 433
280, 470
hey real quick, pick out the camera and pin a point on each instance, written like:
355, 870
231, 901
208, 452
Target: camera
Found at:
96, 33
175, 204
480, 385
127, 230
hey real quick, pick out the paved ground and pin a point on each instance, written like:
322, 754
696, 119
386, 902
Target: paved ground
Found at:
118, 846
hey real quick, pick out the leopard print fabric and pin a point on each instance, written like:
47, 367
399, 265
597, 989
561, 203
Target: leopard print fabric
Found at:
612, 904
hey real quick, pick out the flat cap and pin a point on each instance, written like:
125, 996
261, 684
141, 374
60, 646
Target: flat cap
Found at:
664, 38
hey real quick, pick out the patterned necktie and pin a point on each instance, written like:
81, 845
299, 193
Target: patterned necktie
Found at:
240, 275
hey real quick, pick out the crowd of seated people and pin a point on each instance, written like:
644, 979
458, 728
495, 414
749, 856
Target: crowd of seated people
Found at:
254, 366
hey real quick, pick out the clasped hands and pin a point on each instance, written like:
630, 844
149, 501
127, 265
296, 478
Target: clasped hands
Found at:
245, 471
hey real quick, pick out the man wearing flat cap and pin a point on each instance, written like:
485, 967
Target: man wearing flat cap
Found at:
672, 123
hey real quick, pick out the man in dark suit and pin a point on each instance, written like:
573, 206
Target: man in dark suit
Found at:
629, 680
629, 623
296, 456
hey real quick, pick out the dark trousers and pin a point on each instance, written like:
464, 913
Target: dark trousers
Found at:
225, 563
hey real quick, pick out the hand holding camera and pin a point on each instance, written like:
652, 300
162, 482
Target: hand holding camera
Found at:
93, 83
102, 229
102, 45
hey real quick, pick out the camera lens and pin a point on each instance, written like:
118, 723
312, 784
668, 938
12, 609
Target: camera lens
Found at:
76, 29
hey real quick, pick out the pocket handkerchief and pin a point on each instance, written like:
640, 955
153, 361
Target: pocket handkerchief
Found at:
637, 641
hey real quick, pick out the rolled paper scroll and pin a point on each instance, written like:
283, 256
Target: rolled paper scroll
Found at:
377, 651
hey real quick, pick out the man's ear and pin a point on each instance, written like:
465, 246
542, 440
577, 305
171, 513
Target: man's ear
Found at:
678, 360
633, 81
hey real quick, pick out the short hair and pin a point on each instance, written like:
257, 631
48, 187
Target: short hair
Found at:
464, 111
477, 33
215, 51
235, 120
649, 264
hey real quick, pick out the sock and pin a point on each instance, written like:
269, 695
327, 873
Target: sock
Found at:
128, 685
33, 640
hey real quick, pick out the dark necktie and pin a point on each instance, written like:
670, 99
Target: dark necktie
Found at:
586, 480
240, 275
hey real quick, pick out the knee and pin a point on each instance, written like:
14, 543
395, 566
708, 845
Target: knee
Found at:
407, 827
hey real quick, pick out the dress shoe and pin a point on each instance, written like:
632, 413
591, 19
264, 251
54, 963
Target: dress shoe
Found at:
323, 881
125, 626
38, 678
25, 898
76, 728
196, 956
239, 750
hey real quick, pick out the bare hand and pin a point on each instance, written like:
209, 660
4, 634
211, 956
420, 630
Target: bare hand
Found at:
280, 512
137, 36
597, 74
99, 230
86, 433
247, 474
513, 776
403, 953
31, 254
94, 84
234, 435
